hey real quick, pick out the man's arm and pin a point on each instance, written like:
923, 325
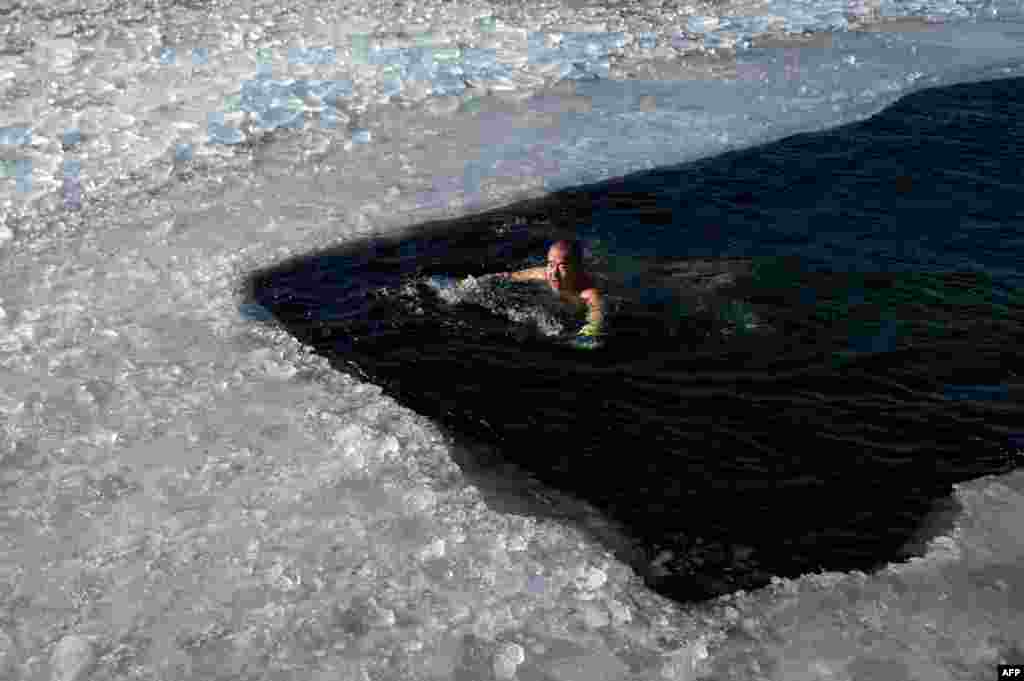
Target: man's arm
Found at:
595, 312
590, 336
532, 274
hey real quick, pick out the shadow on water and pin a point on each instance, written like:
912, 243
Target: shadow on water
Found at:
765, 412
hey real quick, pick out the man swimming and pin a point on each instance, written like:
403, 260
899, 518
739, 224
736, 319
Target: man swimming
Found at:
566, 276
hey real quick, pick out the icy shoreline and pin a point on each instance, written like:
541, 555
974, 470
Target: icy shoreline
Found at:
187, 493
93, 96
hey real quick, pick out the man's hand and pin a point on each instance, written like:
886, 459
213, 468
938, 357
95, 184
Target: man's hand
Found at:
587, 338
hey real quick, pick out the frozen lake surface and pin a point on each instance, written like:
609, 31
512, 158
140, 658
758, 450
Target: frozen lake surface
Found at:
192, 494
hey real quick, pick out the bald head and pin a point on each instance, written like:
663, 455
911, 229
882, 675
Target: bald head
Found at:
570, 250
565, 265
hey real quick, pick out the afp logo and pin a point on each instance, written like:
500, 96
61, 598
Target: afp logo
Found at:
1011, 671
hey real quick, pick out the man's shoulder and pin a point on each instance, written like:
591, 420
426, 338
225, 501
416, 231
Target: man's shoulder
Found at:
590, 294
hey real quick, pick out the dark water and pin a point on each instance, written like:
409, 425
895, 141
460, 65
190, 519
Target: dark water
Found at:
881, 262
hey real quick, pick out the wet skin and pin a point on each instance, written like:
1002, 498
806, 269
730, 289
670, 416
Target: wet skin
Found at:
567, 279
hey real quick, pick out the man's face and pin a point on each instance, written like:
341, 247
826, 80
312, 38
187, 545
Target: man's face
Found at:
560, 271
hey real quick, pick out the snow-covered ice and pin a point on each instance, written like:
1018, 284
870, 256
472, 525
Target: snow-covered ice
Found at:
188, 493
